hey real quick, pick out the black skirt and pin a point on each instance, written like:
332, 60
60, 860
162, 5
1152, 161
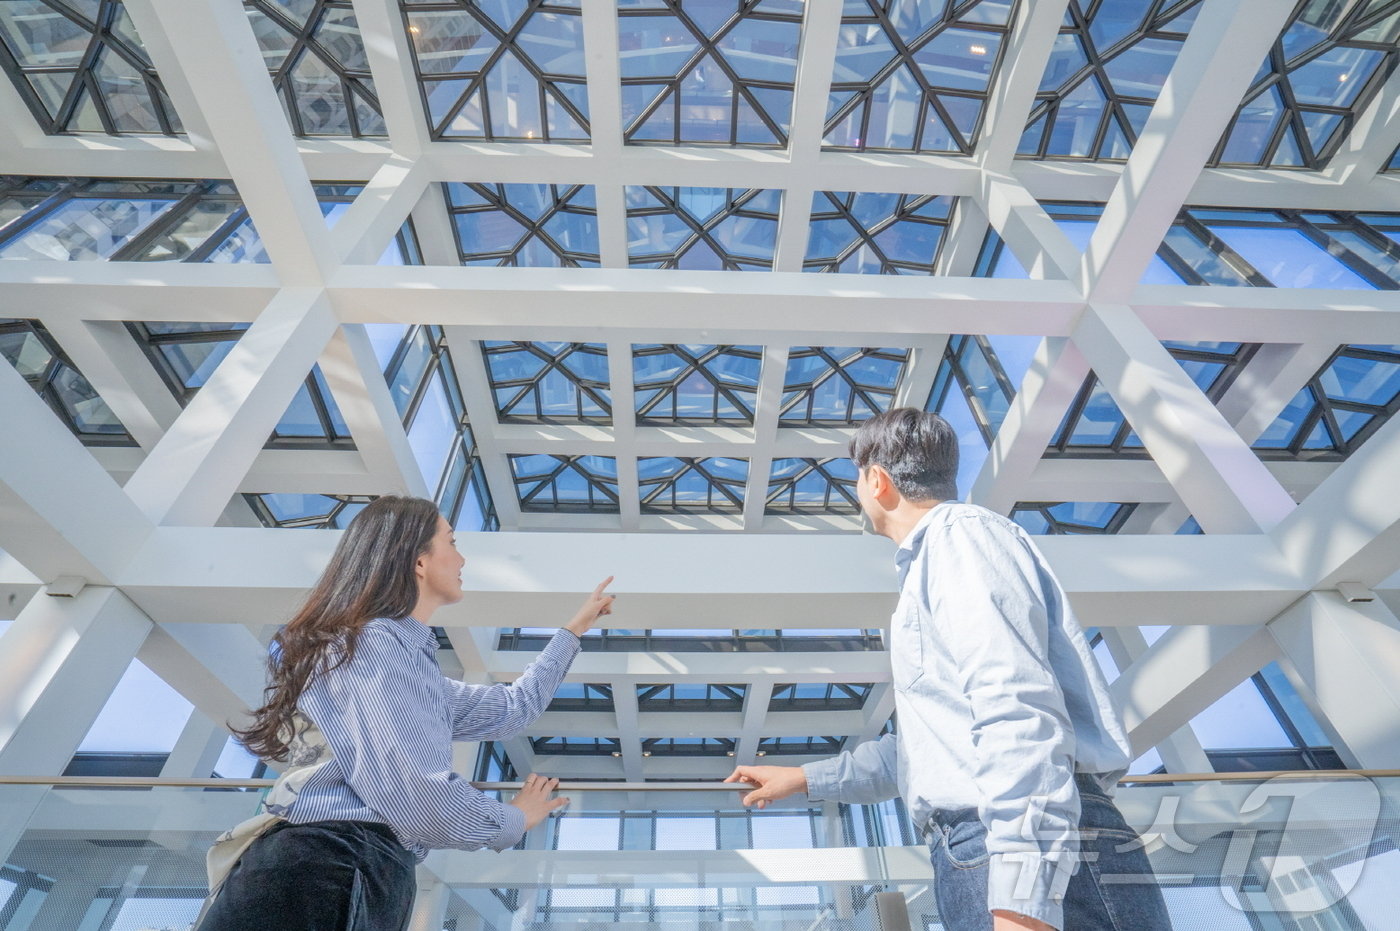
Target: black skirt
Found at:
321, 876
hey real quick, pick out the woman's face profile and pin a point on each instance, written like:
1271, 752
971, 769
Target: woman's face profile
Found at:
440, 568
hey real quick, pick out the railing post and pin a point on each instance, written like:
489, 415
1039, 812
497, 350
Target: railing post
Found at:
430, 905
891, 911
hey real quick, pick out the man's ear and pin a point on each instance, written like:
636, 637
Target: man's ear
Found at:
880, 482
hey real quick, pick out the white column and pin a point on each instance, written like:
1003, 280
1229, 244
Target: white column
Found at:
1345, 658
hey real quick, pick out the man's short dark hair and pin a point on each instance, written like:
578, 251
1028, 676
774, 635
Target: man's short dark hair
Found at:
918, 448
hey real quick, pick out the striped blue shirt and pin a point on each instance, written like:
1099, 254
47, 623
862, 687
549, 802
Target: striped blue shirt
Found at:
390, 716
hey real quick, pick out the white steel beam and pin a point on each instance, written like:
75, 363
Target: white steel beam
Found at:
1039, 245
622, 392
1197, 103
821, 27
1055, 375
1018, 78
1346, 658
59, 662
654, 306
1180, 751
604, 125
1372, 139
352, 373
772, 375
60, 513
1348, 529
1218, 477
1271, 379
108, 357
1184, 673
218, 668
794, 580
197, 466
387, 47
367, 227
218, 56
470, 363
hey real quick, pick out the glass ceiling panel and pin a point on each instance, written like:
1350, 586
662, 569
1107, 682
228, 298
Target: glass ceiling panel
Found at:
973, 389
1072, 517
423, 383
819, 696
719, 72
549, 382
505, 70
1348, 399
812, 486
670, 485
695, 384
320, 512
186, 354
29, 347
539, 225
94, 219
913, 77
566, 483
701, 228
1321, 72
1104, 74
876, 234
318, 64
81, 68
1095, 425
800, 746
838, 386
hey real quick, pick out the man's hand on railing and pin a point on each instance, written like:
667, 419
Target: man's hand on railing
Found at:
773, 783
534, 800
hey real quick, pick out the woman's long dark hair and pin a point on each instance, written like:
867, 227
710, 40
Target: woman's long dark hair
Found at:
370, 575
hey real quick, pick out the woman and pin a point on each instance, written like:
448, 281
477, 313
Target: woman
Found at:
364, 722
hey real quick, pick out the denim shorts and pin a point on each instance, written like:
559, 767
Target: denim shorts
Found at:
1113, 890
319, 876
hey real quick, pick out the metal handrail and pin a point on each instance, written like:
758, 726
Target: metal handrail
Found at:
148, 782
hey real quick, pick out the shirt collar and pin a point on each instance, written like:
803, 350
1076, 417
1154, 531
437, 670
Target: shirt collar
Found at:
416, 633
913, 542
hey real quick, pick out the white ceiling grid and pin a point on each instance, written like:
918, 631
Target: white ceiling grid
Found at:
132, 517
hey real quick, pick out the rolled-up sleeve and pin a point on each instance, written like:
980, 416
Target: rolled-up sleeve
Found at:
391, 742
499, 712
997, 634
863, 776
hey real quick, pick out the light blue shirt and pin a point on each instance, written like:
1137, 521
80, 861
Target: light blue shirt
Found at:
1000, 703
390, 716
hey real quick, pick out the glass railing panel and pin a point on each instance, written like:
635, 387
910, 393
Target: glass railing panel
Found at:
1317, 852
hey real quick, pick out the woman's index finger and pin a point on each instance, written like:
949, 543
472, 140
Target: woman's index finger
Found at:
602, 585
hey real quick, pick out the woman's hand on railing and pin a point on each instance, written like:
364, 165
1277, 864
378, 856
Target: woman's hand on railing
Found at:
772, 782
596, 605
534, 800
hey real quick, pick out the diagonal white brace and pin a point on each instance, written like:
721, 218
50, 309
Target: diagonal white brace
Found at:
1210, 466
194, 470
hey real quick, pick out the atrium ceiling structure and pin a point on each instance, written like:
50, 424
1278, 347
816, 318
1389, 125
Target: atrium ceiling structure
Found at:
615, 280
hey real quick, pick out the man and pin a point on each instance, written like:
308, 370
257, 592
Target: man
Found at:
1008, 747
